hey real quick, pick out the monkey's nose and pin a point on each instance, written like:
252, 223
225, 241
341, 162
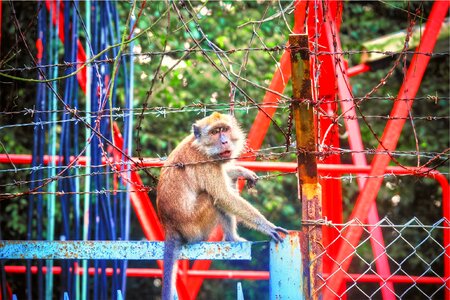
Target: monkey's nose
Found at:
223, 140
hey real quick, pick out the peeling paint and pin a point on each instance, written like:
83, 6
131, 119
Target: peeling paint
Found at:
130, 250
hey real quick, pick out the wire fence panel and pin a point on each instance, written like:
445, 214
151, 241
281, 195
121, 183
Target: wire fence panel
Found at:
416, 258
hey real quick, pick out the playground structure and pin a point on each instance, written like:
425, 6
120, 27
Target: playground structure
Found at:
328, 244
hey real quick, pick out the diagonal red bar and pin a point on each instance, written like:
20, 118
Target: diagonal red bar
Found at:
389, 141
358, 157
145, 211
279, 80
81, 54
262, 121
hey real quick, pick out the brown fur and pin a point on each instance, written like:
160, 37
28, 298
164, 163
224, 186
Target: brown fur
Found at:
196, 189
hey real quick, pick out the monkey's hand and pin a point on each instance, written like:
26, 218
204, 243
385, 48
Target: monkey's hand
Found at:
236, 172
252, 179
274, 232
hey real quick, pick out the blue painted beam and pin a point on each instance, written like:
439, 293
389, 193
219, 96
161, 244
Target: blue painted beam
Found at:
285, 280
130, 250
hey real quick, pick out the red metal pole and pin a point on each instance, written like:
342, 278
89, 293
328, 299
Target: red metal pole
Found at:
389, 141
358, 157
324, 73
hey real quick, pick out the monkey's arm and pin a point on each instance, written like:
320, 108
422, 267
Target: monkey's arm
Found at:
234, 172
230, 202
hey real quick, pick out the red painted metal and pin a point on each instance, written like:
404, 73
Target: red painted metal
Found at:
359, 158
140, 200
202, 265
389, 141
81, 54
358, 69
262, 121
279, 80
145, 211
328, 169
262, 166
323, 72
233, 274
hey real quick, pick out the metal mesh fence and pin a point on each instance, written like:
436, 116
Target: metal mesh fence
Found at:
415, 254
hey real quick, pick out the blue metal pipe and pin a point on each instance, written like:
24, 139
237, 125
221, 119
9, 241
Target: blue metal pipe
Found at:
130, 250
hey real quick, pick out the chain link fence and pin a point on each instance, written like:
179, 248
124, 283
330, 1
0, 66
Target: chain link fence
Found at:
415, 254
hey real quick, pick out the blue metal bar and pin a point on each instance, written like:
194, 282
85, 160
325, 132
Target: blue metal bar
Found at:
240, 293
286, 269
131, 250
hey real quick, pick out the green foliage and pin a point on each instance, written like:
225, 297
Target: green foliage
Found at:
186, 83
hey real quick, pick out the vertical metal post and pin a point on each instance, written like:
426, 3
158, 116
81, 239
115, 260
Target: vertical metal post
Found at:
240, 293
286, 269
309, 190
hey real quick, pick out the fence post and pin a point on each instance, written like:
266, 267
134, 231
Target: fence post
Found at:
285, 280
309, 191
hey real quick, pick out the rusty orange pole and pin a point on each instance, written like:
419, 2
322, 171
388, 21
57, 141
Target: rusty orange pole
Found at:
309, 190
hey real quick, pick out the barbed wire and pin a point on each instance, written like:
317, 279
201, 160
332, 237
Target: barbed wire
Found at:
198, 105
18, 180
203, 107
276, 49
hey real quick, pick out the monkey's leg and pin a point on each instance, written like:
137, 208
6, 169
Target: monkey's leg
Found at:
229, 225
171, 251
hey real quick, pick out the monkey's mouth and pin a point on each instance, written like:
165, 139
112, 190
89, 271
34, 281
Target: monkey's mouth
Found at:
225, 154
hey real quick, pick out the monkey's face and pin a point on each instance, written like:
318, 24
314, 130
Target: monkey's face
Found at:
218, 136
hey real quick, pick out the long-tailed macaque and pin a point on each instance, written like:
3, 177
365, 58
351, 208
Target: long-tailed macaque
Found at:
197, 190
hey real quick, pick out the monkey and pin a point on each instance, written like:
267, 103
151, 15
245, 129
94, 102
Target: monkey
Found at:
197, 191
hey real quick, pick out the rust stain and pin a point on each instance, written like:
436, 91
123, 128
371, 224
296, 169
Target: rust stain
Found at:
311, 191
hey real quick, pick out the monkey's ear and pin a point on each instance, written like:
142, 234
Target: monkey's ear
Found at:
196, 130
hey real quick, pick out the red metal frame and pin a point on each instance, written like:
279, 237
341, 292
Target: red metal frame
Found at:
356, 144
280, 79
328, 129
389, 141
324, 169
145, 212
230, 274
81, 53
365, 203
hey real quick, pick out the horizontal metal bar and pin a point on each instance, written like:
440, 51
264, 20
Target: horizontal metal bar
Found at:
237, 274
129, 250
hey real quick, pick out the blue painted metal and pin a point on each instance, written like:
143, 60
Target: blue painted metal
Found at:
119, 295
240, 293
286, 269
131, 250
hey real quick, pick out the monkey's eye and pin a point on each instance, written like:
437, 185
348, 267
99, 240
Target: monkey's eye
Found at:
214, 131
225, 129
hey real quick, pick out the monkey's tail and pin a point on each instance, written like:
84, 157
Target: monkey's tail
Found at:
171, 251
